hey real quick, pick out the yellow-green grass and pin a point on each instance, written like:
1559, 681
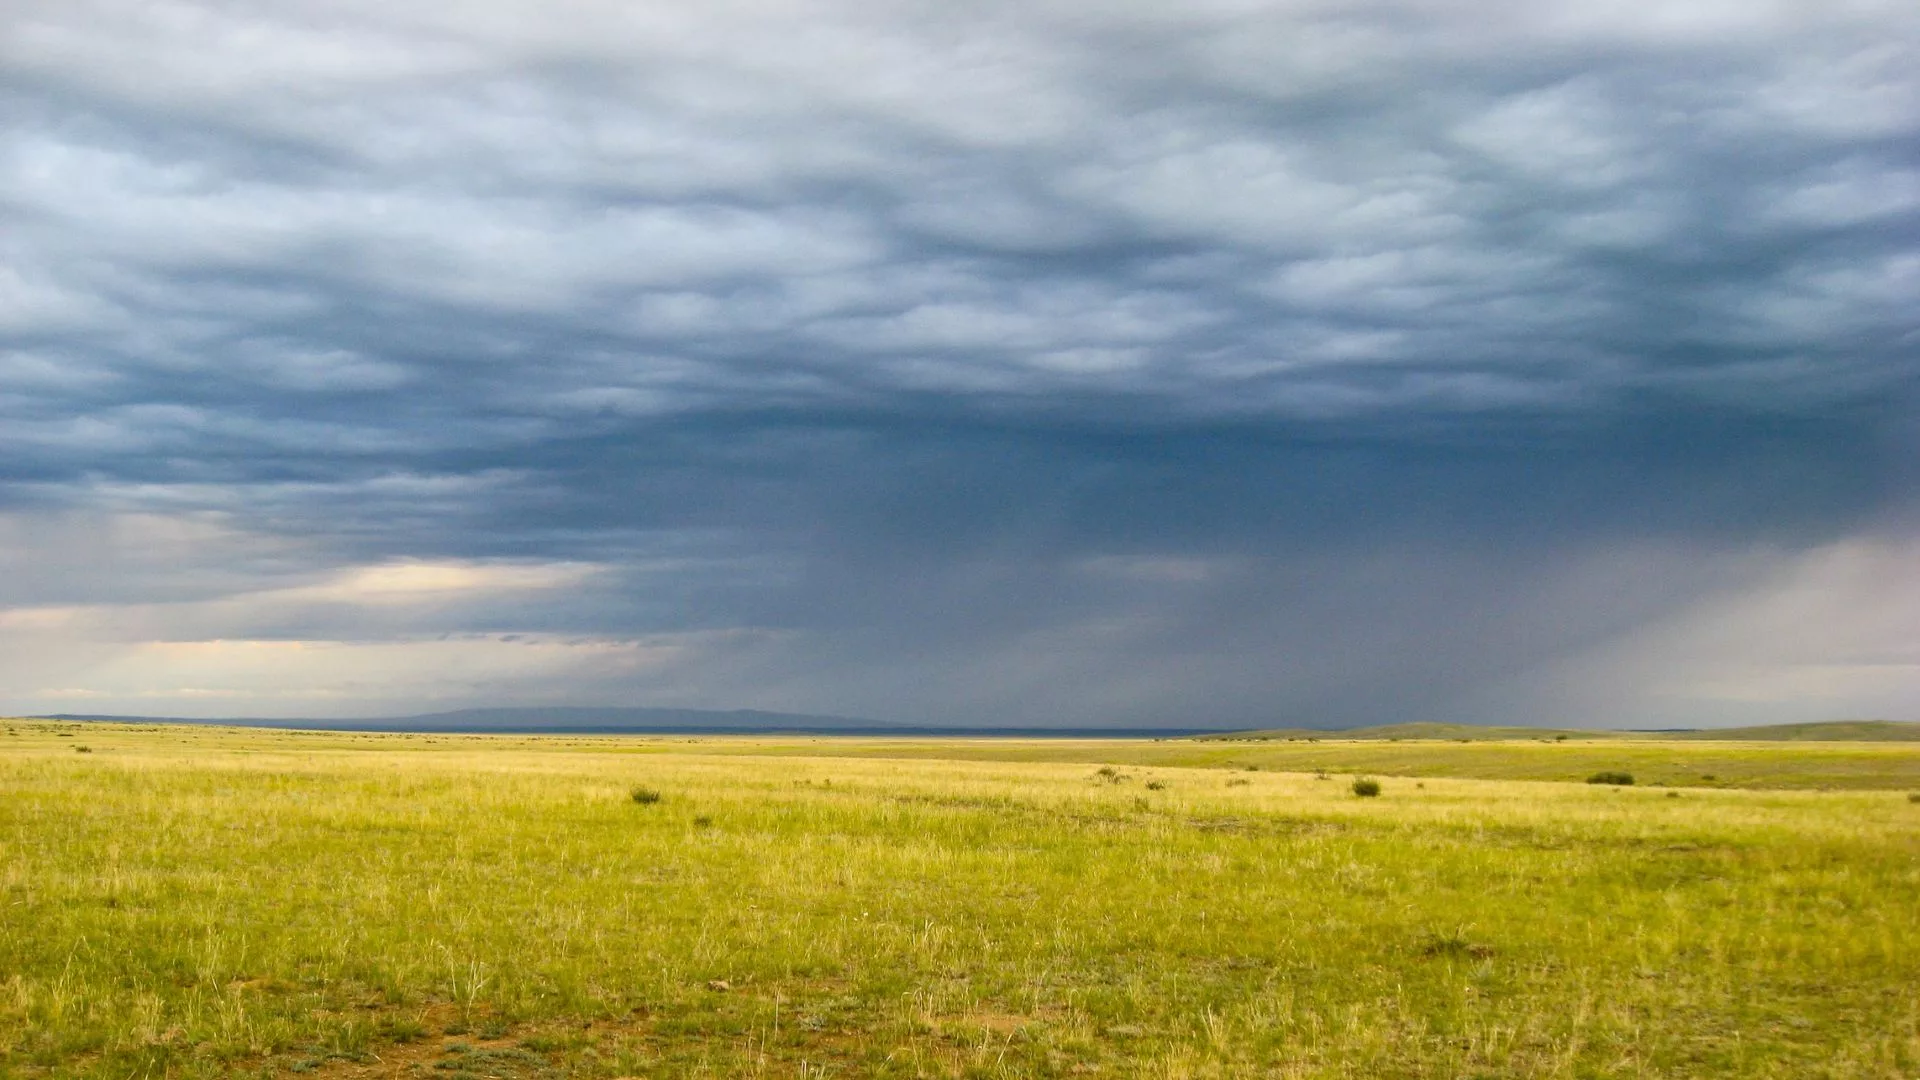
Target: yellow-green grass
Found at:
202, 902
1658, 761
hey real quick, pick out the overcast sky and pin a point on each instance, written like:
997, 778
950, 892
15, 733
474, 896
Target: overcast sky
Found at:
1161, 364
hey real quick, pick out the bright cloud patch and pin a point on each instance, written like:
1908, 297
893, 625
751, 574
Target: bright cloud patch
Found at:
308, 678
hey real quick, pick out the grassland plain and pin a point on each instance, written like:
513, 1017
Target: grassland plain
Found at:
1671, 762
191, 902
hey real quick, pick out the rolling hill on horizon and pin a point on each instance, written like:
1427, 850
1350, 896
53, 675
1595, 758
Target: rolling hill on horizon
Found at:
1820, 731
546, 718
612, 720
641, 719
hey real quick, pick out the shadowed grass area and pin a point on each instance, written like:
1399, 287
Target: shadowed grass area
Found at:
203, 902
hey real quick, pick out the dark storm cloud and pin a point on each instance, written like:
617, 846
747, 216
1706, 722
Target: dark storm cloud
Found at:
1278, 358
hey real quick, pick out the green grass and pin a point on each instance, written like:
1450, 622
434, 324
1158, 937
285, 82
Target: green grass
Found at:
189, 902
1652, 761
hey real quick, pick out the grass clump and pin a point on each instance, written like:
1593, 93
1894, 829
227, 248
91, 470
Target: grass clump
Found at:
1455, 946
402, 1029
644, 796
1366, 787
1619, 779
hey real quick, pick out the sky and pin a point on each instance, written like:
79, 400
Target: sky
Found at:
1046, 363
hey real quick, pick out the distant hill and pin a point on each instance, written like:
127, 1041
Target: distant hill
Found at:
615, 720
1827, 731
1824, 731
570, 720
554, 718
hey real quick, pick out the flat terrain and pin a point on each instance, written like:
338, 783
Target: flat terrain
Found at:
211, 902
1669, 762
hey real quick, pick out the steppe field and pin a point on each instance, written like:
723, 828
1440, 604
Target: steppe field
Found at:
197, 902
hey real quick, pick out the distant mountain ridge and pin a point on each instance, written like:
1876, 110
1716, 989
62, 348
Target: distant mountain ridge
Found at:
1822, 731
1825, 731
615, 720
619, 717
551, 718
584, 720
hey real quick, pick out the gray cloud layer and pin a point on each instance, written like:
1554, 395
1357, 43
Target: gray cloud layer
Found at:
1027, 362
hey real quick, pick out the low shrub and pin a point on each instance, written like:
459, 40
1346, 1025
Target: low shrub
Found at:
1621, 778
1366, 787
645, 796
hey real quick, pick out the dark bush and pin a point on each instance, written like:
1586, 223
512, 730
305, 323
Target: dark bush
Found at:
1621, 778
645, 796
1366, 787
